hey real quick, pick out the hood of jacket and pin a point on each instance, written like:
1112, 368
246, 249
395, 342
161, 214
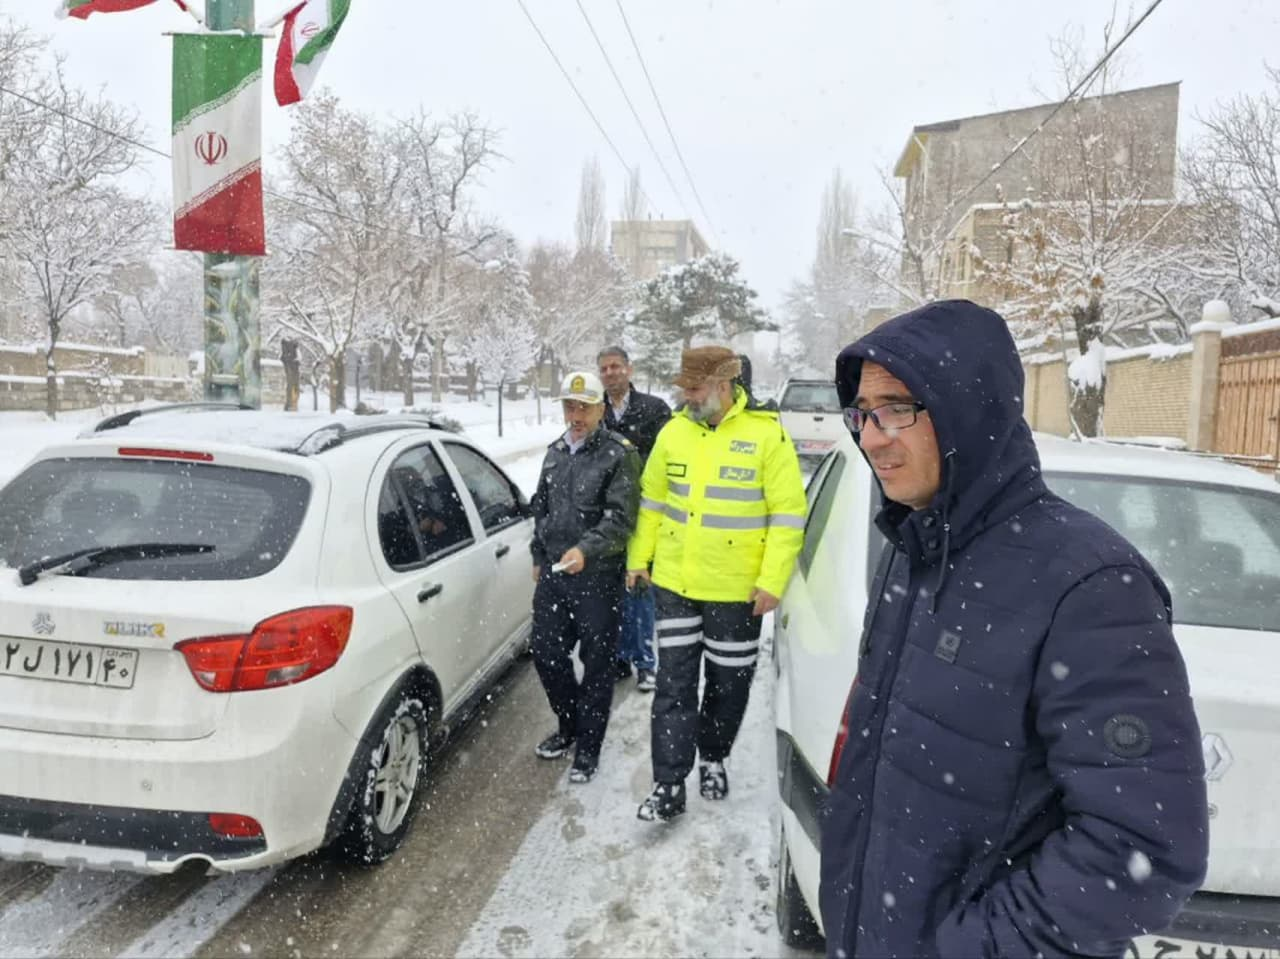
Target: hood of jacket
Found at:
959, 359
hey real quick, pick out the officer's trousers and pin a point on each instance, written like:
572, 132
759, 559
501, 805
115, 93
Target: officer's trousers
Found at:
727, 637
584, 611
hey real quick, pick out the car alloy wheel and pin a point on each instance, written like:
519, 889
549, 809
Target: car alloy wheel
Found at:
399, 763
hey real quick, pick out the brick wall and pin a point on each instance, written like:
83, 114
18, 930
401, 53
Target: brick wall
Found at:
1146, 396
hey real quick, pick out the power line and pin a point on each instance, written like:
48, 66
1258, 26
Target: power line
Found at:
640, 123
656, 99
1084, 82
581, 99
161, 153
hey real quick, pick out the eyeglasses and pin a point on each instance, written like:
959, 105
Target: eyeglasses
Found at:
891, 416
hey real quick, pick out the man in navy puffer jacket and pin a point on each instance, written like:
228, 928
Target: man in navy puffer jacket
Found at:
1023, 772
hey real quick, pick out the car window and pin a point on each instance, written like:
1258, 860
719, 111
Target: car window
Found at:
810, 398
1216, 547
249, 517
437, 517
497, 500
827, 485
400, 545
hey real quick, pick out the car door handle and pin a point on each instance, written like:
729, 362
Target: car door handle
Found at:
432, 589
786, 620
502, 551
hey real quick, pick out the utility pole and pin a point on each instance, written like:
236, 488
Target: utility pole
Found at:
232, 330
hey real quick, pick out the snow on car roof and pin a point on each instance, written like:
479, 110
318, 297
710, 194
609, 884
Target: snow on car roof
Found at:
260, 429
1058, 454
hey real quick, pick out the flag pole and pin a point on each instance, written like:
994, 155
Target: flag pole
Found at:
232, 371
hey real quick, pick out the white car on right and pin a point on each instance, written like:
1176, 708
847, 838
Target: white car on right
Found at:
1210, 528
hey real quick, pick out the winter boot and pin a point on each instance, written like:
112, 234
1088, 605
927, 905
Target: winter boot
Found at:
664, 803
554, 746
713, 781
584, 769
646, 681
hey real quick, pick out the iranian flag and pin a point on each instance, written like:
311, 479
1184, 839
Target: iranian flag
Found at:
80, 9
217, 144
309, 31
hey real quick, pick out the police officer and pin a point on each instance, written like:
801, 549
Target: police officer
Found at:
639, 417
584, 510
722, 521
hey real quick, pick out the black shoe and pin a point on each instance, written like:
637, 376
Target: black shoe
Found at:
622, 670
584, 769
713, 781
646, 680
664, 803
554, 746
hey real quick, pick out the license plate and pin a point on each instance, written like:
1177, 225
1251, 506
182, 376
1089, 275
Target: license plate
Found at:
814, 446
1164, 947
107, 666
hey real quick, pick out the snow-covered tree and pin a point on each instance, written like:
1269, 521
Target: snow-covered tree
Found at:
444, 161
1233, 177
503, 343
1095, 254
579, 298
700, 299
825, 311
155, 303
589, 226
338, 224
66, 225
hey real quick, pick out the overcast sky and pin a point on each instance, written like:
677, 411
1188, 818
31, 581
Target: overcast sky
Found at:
766, 97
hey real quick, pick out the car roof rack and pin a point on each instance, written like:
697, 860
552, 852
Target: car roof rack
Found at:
335, 434
128, 416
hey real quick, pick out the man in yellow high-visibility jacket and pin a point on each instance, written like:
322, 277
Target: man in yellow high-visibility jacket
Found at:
721, 521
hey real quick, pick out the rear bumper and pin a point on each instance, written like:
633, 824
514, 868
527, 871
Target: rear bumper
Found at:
1239, 921
279, 756
800, 788
114, 837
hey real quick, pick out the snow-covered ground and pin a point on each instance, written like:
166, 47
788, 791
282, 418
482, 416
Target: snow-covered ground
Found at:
591, 879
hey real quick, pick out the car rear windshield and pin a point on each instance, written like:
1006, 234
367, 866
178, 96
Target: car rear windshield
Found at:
249, 517
810, 398
1216, 547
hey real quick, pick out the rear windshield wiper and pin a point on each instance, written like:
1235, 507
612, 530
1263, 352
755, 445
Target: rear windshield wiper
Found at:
82, 560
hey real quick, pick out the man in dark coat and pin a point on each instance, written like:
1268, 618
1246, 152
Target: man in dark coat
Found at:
639, 417
584, 510
1023, 772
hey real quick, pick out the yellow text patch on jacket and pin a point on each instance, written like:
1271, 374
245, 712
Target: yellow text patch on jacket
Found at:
721, 510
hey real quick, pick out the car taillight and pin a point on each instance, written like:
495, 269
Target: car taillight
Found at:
842, 735
234, 826
284, 649
165, 454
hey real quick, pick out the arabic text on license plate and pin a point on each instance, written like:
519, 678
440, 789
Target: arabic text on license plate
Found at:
815, 446
1166, 947
68, 662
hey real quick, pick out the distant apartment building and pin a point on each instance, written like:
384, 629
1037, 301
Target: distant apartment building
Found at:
647, 247
942, 162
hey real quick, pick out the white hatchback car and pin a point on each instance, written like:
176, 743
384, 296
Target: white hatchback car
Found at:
234, 637
1213, 532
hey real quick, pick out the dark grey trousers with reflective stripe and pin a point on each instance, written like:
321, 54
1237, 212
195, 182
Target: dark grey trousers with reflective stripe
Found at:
727, 636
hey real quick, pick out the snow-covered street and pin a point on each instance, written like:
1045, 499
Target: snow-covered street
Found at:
507, 858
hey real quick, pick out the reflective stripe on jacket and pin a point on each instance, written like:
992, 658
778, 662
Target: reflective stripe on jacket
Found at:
722, 510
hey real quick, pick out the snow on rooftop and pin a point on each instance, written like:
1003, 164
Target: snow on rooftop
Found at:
263, 429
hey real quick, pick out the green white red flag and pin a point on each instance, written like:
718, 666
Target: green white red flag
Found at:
309, 31
217, 144
80, 9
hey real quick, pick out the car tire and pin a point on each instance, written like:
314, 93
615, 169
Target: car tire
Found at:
390, 772
795, 922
